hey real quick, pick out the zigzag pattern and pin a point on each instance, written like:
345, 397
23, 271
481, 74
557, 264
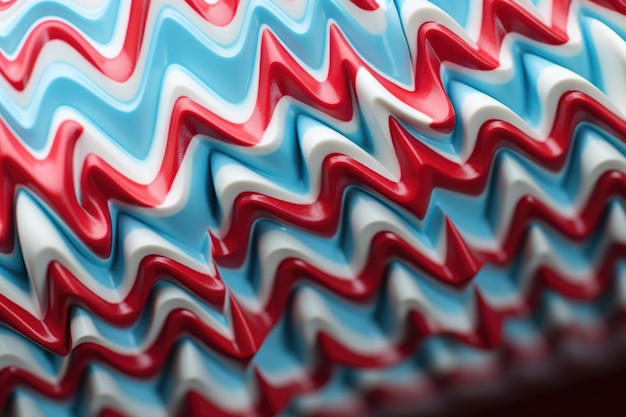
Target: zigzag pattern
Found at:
256, 208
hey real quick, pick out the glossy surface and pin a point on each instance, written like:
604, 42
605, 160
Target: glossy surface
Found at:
302, 207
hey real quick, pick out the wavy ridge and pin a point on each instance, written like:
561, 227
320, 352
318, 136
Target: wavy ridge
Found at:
373, 149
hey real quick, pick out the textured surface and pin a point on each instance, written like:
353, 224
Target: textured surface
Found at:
303, 207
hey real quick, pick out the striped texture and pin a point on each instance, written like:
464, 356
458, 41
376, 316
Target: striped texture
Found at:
302, 207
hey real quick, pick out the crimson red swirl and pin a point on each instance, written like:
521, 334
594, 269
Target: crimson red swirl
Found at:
244, 225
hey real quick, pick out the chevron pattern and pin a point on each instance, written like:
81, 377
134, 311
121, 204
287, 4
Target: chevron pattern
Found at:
307, 208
